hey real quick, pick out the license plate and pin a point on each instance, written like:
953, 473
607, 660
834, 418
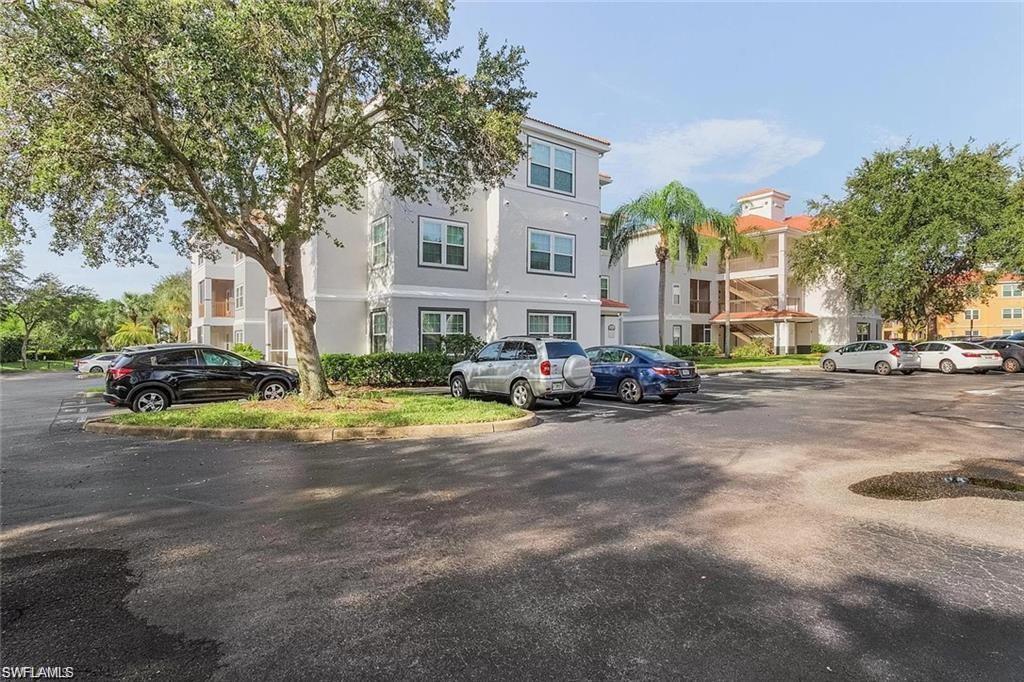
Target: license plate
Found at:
684, 372
557, 386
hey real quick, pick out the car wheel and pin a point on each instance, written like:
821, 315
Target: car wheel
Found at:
273, 390
630, 391
829, 365
907, 372
571, 401
458, 387
95, 370
883, 368
1011, 365
947, 367
150, 400
522, 395
668, 397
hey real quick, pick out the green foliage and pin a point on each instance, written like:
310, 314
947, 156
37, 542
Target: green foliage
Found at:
460, 346
10, 347
915, 228
172, 303
132, 334
754, 349
247, 350
387, 369
820, 348
696, 350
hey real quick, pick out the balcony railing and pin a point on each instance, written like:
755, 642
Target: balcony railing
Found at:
765, 304
699, 306
770, 260
216, 308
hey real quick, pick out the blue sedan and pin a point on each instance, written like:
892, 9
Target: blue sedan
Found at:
633, 372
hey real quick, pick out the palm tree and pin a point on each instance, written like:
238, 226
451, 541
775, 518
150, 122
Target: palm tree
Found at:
173, 303
132, 334
729, 242
675, 213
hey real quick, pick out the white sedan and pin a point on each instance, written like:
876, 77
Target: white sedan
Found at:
951, 356
97, 363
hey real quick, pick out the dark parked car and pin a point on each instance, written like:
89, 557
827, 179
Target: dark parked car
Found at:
152, 379
1012, 353
634, 372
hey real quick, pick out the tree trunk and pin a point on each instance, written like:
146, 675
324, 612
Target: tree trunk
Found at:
661, 255
933, 327
24, 351
728, 305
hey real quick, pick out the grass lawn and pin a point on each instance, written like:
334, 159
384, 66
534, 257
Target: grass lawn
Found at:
770, 361
346, 409
38, 366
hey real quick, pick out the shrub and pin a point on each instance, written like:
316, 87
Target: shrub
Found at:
460, 346
10, 348
247, 350
706, 350
820, 348
680, 351
754, 349
387, 369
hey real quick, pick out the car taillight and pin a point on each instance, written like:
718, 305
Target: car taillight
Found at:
972, 355
895, 352
545, 368
120, 372
666, 371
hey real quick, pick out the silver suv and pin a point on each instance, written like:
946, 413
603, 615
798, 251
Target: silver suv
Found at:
525, 368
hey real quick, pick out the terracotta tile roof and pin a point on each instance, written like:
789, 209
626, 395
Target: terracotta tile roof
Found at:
801, 222
765, 315
755, 223
763, 190
612, 303
570, 130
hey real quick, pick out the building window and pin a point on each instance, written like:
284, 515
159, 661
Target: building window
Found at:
378, 331
677, 335
552, 253
1013, 313
559, 325
971, 314
863, 331
239, 297
605, 235
239, 336
239, 256
552, 167
700, 296
443, 243
1013, 290
437, 324
972, 333
379, 242
677, 294
700, 333
605, 286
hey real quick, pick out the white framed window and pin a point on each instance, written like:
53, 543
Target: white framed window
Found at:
551, 253
552, 167
378, 331
677, 335
559, 325
1013, 313
606, 284
1013, 290
239, 336
443, 243
677, 295
972, 333
437, 324
239, 256
971, 314
1007, 332
379, 242
239, 297
863, 331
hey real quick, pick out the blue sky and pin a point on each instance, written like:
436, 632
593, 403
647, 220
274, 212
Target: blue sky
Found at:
731, 97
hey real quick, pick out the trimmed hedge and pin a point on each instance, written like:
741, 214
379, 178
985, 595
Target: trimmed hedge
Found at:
820, 348
754, 349
387, 369
696, 350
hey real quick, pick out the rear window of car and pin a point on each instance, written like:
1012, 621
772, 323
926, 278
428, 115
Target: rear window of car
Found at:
655, 354
968, 346
559, 350
122, 361
174, 358
904, 346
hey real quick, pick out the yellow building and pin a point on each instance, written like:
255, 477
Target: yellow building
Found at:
1002, 313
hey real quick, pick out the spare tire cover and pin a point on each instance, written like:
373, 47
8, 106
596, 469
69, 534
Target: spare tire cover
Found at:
576, 371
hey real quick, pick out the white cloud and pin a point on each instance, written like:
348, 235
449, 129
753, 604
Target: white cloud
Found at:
737, 150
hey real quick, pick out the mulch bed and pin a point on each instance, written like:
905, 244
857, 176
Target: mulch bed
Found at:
998, 479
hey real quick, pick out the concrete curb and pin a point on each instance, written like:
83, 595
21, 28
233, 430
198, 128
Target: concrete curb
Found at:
765, 369
321, 435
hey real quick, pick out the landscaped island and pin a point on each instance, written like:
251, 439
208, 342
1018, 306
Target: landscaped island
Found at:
349, 408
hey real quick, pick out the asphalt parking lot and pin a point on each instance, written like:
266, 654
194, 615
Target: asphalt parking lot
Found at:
710, 538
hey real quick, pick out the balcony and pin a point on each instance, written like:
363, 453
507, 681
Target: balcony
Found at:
216, 308
769, 260
791, 304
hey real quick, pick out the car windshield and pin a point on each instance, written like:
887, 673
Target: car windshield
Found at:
558, 350
655, 354
968, 346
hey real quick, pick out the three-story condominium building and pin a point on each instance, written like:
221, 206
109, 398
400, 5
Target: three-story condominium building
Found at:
522, 259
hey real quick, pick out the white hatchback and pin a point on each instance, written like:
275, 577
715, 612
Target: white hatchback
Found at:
952, 356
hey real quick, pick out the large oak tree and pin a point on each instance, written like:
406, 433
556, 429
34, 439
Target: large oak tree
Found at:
255, 119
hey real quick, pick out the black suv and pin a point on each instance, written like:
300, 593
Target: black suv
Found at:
150, 379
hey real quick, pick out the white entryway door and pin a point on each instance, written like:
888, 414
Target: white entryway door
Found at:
610, 329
